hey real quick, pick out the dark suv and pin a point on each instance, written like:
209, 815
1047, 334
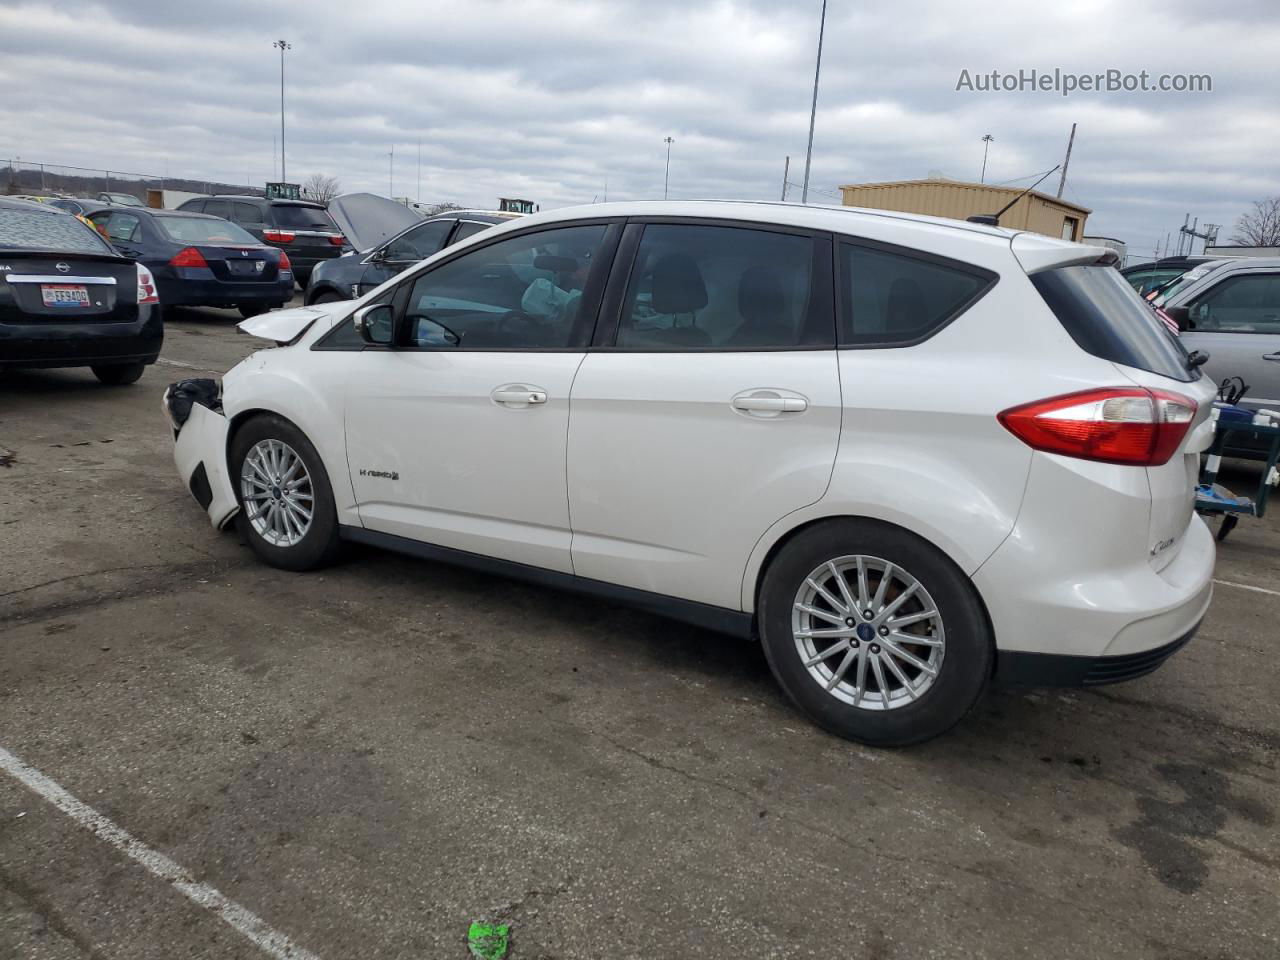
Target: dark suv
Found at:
302, 229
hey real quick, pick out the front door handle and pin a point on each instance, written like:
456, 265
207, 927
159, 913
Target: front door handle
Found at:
768, 403
518, 395
1271, 356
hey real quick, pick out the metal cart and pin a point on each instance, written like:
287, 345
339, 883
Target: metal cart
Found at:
1213, 498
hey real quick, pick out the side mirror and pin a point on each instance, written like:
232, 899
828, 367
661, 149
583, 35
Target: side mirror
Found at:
1181, 316
374, 324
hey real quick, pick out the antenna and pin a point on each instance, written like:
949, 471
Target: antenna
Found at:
993, 219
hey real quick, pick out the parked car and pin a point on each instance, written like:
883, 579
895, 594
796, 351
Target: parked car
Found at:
1230, 310
77, 206
387, 237
1146, 277
67, 299
302, 229
909, 454
198, 260
120, 199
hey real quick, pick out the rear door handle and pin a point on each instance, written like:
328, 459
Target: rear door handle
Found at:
518, 395
768, 403
1271, 356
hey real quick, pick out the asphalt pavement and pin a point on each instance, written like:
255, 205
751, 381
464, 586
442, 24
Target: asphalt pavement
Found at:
362, 761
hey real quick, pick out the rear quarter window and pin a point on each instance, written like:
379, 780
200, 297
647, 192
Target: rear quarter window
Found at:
1106, 317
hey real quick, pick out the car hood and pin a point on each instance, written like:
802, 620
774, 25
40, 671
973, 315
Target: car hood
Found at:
285, 326
367, 219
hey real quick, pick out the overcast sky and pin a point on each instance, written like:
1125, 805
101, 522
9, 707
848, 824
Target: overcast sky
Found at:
551, 99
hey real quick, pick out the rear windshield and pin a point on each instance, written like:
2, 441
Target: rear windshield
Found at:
302, 218
204, 230
1106, 317
43, 230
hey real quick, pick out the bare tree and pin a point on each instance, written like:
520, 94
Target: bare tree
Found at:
321, 187
444, 207
1260, 227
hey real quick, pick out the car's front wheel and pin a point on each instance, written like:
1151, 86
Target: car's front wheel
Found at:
249, 310
287, 512
873, 632
118, 374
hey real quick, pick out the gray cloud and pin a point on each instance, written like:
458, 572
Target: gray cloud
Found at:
549, 99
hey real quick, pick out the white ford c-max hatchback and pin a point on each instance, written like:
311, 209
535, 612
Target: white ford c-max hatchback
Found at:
911, 455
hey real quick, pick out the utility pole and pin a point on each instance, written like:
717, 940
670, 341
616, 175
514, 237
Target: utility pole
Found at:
391, 161
986, 145
813, 110
1065, 163
786, 169
418, 195
666, 177
282, 45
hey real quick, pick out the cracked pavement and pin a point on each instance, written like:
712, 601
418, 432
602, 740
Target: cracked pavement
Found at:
372, 756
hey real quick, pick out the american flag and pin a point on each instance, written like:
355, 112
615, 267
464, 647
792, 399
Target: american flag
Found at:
1167, 320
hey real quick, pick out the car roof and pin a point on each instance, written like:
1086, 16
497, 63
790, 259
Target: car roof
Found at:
174, 213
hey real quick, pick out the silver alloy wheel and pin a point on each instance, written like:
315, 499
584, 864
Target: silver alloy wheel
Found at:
868, 632
277, 493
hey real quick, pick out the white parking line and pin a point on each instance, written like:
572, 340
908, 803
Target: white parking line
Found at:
179, 363
1246, 586
270, 941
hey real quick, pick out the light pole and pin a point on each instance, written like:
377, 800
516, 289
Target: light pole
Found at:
282, 45
813, 110
986, 145
391, 162
666, 177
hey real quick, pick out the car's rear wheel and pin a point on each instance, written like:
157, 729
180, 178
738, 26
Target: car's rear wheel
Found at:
328, 297
248, 310
873, 632
287, 513
118, 374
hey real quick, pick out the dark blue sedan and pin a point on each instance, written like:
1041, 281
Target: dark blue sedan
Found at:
199, 260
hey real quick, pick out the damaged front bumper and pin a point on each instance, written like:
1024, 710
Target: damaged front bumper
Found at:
194, 409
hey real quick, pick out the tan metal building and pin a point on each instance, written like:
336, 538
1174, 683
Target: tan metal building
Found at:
1036, 212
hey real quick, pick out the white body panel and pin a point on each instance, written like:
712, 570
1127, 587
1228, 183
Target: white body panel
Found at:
202, 437
434, 457
670, 486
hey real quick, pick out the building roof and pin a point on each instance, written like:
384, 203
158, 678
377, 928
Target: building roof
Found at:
1011, 192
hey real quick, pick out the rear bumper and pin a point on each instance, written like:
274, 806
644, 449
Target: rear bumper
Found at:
1019, 669
211, 292
81, 344
200, 454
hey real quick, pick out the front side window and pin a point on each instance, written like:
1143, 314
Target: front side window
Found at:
522, 293
891, 298
1247, 304
418, 243
696, 287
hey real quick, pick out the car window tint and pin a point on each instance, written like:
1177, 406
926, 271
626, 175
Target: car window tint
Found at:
521, 293
45, 230
1106, 317
246, 213
298, 217
218, 208
469, 228
720, 288
1242, 304
420, 242
204, 230
124, 227
890, 298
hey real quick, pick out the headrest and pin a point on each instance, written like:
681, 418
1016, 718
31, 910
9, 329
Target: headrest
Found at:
677, 285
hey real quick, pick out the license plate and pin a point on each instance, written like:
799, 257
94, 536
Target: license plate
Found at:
246, 268
64, 295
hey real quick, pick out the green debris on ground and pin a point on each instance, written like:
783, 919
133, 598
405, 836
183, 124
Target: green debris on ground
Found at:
488, 941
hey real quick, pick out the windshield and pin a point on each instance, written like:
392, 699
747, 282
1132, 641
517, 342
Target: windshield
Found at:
45, 230
1170, 290
204, 230
1106, 317
302, 218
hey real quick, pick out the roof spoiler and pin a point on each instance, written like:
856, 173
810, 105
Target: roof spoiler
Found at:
1037, 252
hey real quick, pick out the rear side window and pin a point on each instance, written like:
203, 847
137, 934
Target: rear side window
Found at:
43, 230
469, 228
891, 298
697, 287
246, 213
218, 208
302, 218
1105, 317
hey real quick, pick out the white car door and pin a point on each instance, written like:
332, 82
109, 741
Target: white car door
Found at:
456, 435
713, 412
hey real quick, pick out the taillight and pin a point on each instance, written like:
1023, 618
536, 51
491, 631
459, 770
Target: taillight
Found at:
188, 257
146, 286
338, 240
1128, 425
284, 261
278, 236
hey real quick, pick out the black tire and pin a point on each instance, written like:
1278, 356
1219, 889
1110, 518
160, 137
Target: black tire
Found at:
319, 545
248, 310
118, 374
327, 297
966, 656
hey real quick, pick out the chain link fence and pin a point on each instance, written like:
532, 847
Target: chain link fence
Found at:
53, 179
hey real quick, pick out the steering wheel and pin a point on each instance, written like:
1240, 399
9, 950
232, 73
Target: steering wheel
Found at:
518, 316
